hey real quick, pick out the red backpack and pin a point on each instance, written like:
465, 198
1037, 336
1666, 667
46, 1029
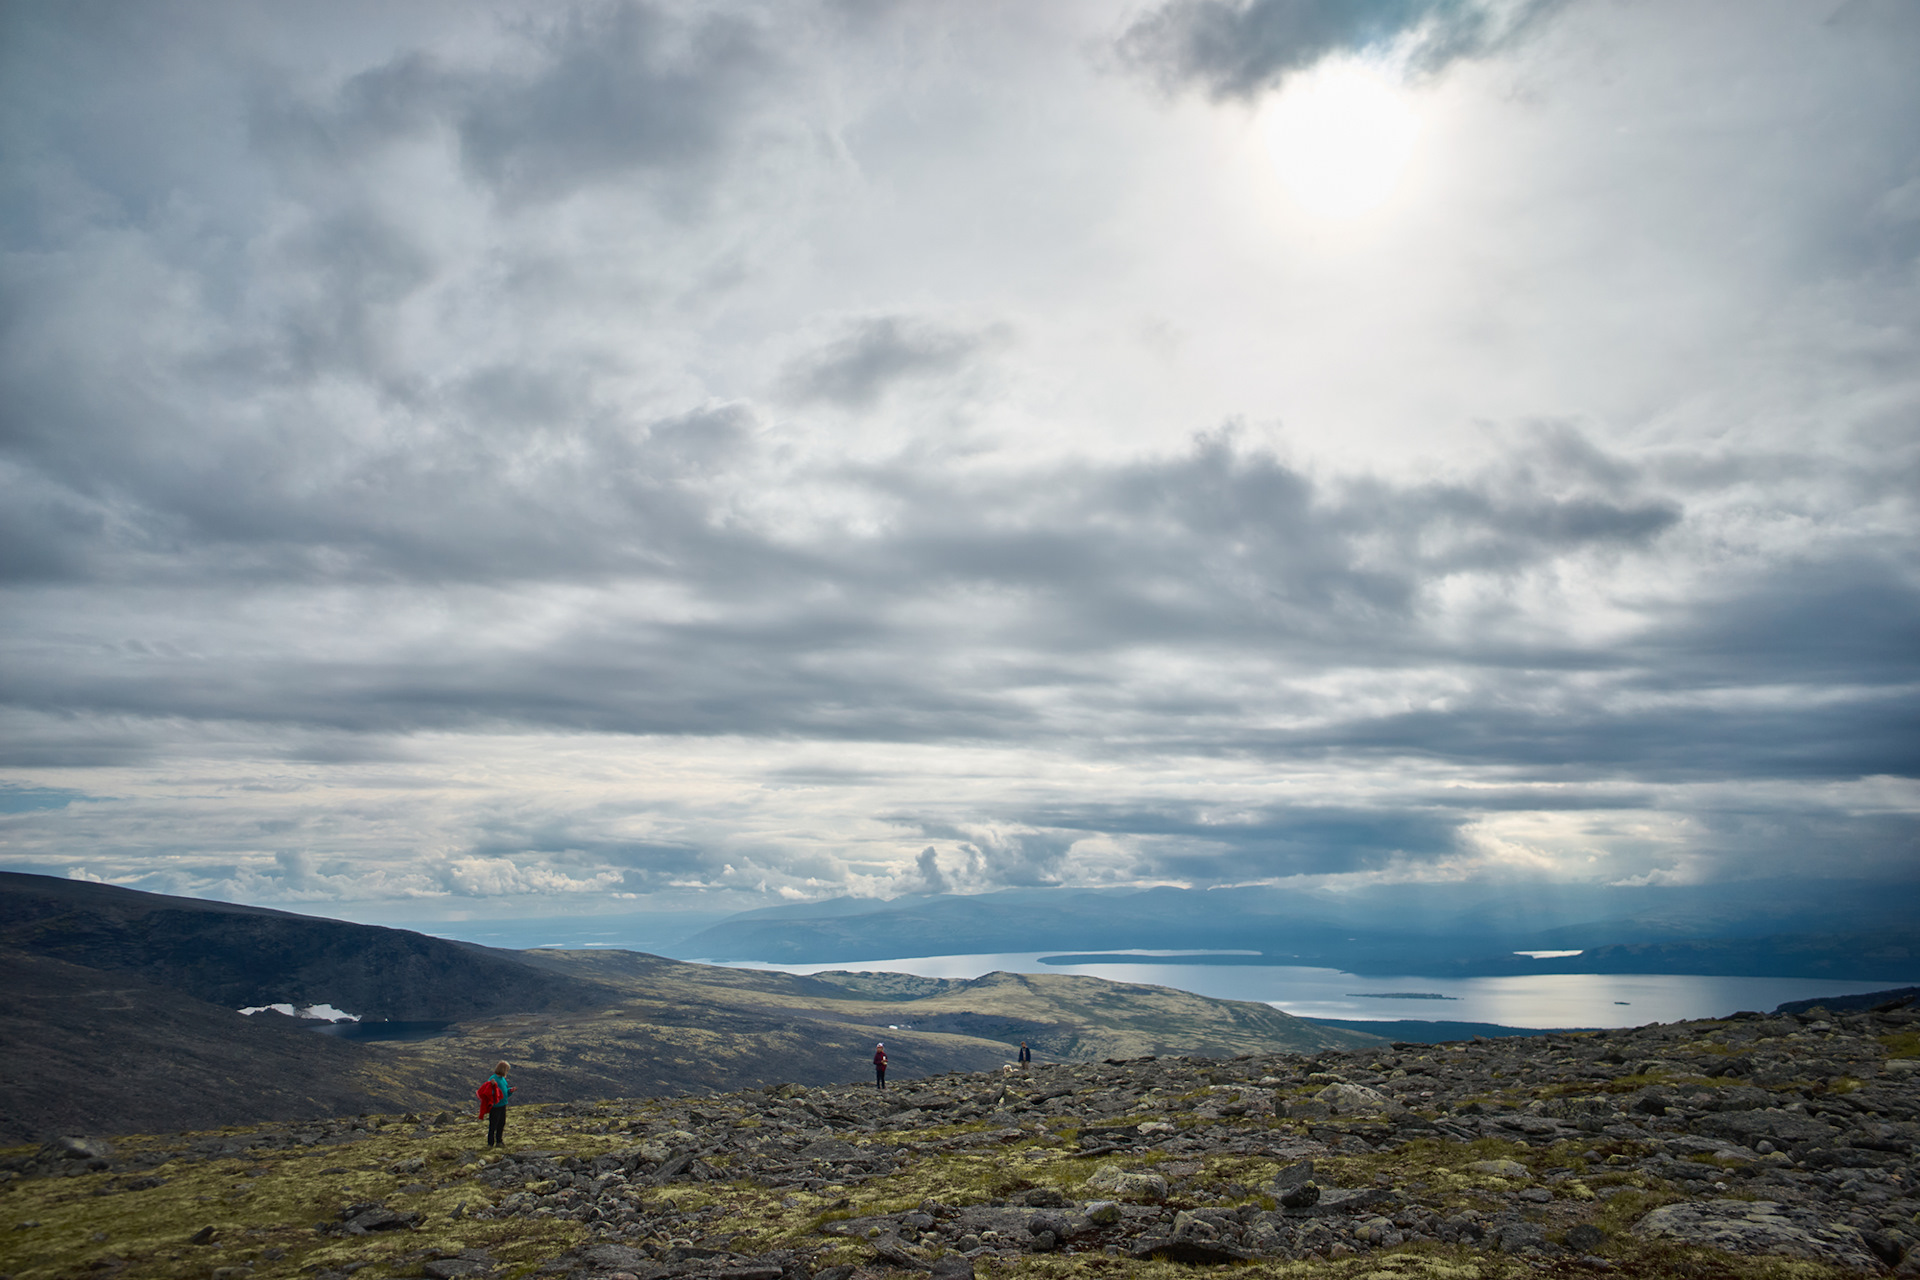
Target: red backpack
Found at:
489, 1095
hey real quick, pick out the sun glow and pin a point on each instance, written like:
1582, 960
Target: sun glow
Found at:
1340, 138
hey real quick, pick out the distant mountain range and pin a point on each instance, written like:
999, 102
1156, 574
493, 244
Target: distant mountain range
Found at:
119, 1011
1840, 930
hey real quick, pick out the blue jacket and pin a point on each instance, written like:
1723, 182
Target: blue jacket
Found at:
506, 1090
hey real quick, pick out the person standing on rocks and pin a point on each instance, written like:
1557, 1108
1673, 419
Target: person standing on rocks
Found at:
880, 1066
1026, 1056
497, 1116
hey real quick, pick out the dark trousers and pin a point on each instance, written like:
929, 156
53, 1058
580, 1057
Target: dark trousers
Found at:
879, 1077
497, 1127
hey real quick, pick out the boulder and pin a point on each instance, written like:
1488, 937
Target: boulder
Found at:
1585, 1237
1500, 1168
1119, 1183
88, 1149
1759, 1227
1788, 1128
1343, 1098
1293, 1175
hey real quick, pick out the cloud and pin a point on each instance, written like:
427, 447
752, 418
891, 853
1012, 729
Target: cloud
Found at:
607, 448
1240, 48
1238, 846
624, 89
931, 879
857, 368
624, 92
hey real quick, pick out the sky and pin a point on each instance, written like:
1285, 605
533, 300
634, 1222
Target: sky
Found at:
476, 460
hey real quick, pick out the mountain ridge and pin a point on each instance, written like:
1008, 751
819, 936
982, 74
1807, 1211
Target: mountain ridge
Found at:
162, 1000
1850, 931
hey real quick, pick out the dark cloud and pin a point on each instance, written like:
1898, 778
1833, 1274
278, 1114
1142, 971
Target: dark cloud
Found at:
1239, 48
858, 367
1687, 739
1832, 620
586, 94
1305, 840
624, 89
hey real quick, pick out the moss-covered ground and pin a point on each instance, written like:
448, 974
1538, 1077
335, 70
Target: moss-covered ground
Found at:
276, 1212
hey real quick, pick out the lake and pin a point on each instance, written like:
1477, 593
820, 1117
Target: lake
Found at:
1543, 1000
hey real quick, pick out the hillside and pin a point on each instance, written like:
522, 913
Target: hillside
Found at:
235, 956
88, 1049
120, 1012
1746, 1148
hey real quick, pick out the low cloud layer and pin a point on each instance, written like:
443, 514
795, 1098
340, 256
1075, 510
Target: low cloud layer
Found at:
633, 453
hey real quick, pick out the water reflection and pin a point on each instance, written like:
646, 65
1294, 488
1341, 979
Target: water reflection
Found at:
1543, 1000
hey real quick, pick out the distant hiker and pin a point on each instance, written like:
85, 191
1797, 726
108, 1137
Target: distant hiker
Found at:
1026, 1055
880, 1066
493, 1097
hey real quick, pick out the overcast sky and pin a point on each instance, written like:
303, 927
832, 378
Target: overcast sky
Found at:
520, 458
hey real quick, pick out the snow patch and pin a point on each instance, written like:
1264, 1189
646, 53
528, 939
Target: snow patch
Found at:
318, 1012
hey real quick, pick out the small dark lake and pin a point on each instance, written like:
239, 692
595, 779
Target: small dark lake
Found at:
384, 1030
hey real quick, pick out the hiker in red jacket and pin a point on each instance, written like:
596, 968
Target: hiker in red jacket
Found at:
493, 1103
880, 1066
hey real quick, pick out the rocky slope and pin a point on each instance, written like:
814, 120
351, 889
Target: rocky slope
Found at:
1751, 1146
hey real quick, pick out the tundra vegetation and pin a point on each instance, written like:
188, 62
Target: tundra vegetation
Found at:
1751, 1146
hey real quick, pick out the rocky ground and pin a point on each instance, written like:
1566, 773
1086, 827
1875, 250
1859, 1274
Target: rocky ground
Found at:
1749, 1146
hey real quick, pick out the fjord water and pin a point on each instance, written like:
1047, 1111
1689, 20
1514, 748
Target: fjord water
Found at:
1544, 1000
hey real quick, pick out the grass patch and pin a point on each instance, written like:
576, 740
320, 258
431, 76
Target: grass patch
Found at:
1904, 1044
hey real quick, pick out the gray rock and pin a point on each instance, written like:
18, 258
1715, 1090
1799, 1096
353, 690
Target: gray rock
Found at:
1783, 1127
1122, 1185
1343, 1099
614, 1257
1585, 1237
889, 1250
1500, 1168
830, 1149
1521, 1237
1759, 1227
452, 1269
380, 1218
1048, 1223
87, 1149
1203, 1252
1293, 1175
1300, 1196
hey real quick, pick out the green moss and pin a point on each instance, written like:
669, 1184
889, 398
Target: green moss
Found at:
1905, 1044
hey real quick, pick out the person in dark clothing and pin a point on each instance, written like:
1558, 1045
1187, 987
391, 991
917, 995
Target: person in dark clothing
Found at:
497, 1114
880, 1066
1026, 1054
